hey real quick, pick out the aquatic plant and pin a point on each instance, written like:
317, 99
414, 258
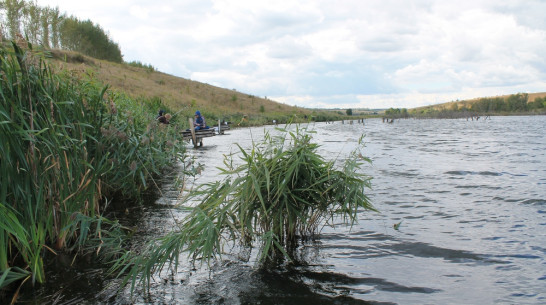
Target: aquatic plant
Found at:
67, 145
283, 192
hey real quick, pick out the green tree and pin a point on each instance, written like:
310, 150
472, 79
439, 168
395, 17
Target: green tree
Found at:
349, 111
393, 112
517, 102
45, 22
56, 20
13, 10
89, 39
32, 22
498, 105
481, 106
538, 103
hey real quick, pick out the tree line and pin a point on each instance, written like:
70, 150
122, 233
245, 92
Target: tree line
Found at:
515, 103
50, 28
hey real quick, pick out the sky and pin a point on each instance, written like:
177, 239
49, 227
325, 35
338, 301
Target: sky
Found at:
334, 53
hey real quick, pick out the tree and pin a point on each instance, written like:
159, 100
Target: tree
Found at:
56, 19
349, 111
89, 39
45, 21
517, 102
48, 27
538, 103
14, 10
32, 22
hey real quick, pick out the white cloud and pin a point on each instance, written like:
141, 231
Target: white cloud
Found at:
139, 12
324, 53
288, 47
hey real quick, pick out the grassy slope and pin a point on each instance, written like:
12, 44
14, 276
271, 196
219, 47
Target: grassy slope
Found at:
468, 103
184, 94
175, 92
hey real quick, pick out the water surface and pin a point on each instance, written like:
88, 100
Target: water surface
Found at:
469, 196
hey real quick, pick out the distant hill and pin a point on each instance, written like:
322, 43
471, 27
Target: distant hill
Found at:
468, 103
185, 96
181, 94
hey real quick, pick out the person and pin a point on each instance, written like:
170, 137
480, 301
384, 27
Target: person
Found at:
163, 118
199, 121
161, 113
167, 118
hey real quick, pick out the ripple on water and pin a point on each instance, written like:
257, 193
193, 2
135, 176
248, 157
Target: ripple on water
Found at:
531, 201
474, 198
478, 186
482, 173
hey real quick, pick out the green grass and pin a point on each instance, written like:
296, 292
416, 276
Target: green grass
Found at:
68, 145
282, 194
184, 96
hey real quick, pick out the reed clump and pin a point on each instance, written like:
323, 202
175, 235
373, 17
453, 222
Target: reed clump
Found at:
282, 193
67, 146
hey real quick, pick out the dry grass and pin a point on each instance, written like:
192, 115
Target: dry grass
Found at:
533, 96
175, 92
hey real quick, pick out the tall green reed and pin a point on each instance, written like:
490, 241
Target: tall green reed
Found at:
67, 146
281, 194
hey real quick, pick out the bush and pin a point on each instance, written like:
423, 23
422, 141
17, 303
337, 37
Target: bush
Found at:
282, 193
66, 146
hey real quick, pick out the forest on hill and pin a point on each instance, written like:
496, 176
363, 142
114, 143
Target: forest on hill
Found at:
48, 27
513, 104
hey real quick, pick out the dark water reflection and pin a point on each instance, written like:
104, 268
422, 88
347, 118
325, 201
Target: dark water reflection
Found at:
470, 197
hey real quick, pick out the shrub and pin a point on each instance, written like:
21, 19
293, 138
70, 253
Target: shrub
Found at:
66, 146
283, 192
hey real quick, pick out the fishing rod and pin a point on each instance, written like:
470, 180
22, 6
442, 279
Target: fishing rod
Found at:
178, 112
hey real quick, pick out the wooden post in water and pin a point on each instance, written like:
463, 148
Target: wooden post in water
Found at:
219, 127
192, 130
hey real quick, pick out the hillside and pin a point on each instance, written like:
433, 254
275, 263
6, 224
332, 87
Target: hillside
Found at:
184, 96
180, 94
468, 103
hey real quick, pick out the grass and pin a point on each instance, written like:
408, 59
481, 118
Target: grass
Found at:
185, 96
281, 195
68, 145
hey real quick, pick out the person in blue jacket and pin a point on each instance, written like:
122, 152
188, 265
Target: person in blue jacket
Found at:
199, 121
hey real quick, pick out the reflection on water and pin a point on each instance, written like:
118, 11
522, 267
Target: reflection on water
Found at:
470, 198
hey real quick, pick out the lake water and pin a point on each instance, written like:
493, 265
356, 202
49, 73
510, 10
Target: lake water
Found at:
469, 198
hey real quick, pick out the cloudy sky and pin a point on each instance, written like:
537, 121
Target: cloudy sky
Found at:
334, 53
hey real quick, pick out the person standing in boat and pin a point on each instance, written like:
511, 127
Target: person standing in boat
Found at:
199, 121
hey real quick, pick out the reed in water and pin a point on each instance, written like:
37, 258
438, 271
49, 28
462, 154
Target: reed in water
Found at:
67, 146
281, 195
